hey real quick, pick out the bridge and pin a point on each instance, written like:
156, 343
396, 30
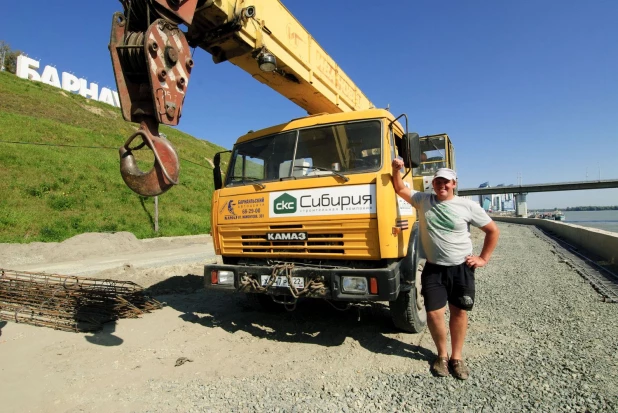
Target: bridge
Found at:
520, 191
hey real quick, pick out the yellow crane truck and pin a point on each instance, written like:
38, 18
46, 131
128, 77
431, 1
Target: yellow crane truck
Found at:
306, 208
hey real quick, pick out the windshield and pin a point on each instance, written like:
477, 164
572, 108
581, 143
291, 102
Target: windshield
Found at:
433, 154
342, 148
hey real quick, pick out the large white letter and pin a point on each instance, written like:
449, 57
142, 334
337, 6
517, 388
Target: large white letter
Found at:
106, 96
116, 99
93, 91
50, 76
25, 68
70, 82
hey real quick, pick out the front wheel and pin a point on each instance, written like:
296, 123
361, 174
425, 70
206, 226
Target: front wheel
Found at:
408, 310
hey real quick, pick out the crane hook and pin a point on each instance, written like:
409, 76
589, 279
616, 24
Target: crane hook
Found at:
164, 172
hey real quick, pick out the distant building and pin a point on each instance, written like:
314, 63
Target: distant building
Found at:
496, 202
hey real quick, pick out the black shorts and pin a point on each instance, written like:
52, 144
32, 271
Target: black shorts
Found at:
454, 284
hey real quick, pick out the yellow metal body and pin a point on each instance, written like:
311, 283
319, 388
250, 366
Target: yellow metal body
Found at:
242, 215
305, 73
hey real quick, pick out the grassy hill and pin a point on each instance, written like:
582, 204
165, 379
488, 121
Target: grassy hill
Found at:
59, 170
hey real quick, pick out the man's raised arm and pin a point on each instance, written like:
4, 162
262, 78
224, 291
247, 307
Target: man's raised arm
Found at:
401, 190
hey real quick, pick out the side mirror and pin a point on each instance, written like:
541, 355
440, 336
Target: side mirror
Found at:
216, 172
411, 150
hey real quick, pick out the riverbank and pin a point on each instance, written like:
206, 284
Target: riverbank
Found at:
602, 244
605, 220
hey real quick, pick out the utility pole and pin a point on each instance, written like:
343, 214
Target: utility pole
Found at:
156, 201
156, 214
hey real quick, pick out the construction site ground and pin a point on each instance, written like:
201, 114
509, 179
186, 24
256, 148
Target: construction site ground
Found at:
214, 351
197, 334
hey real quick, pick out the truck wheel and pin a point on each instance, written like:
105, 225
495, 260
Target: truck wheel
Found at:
408, 310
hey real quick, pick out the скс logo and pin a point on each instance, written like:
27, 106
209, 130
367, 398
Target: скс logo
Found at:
285, 204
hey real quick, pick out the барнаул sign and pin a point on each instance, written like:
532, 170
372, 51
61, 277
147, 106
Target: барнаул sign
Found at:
27, 69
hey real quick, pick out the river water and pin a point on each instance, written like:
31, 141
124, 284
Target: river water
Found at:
606, 220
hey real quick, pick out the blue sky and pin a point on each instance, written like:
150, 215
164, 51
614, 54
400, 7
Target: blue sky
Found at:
524, 88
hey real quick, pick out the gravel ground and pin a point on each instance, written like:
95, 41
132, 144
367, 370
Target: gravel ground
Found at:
540, 339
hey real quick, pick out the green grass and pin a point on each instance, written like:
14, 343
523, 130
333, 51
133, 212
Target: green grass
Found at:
50, 192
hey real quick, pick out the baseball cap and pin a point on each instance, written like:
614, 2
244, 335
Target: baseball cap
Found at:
445, 173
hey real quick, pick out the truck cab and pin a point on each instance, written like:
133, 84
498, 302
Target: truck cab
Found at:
437, 152
308, 209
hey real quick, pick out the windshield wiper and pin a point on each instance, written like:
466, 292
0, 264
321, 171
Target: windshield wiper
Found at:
249, 178
313, 168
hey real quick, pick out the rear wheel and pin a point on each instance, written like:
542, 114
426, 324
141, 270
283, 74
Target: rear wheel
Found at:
408, 310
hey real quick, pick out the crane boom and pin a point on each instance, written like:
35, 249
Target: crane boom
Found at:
305, 73
152, 61
148, 49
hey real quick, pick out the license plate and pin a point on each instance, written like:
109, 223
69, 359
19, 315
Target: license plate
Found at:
281, 281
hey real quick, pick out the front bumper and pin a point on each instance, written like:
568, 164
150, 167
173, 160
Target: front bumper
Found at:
331, 278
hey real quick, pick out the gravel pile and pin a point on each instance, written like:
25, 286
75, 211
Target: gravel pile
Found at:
540, 339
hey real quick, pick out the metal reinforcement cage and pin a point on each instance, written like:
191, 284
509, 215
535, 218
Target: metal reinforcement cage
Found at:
69, 303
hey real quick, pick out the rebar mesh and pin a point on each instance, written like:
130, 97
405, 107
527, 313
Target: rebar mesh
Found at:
69, 303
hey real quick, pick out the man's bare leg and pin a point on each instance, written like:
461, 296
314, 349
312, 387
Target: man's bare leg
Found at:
437, 328
458, 325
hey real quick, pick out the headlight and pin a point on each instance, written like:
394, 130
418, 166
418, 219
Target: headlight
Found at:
222, 277
354, 285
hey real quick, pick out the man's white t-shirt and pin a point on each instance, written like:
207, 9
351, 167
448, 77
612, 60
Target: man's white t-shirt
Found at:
444, 227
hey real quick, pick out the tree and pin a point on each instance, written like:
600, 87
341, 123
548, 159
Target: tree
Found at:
8, 57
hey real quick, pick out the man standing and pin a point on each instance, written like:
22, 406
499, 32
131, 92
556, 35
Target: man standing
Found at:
448, 275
